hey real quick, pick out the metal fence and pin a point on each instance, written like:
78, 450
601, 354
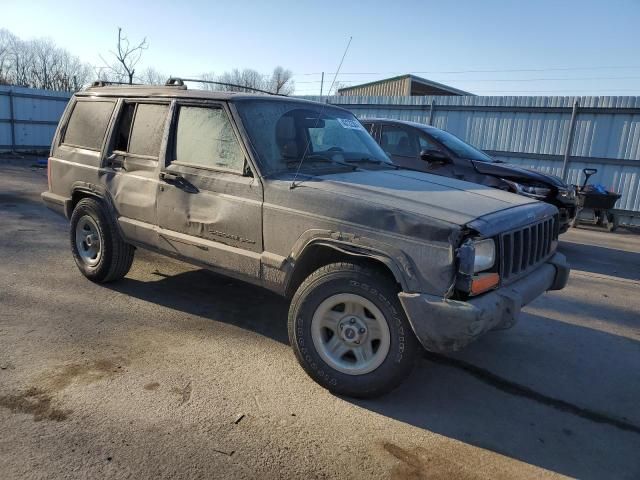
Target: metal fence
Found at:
559, 135
28, 117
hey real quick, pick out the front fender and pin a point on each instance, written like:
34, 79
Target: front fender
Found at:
400, 265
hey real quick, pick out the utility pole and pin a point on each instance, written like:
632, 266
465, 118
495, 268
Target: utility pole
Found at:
321, 83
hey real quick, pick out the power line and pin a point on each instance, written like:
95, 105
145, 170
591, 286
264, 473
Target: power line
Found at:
566, 91
549, 69
508, 79
570, 92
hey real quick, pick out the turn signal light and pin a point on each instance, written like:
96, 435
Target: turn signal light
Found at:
483, 282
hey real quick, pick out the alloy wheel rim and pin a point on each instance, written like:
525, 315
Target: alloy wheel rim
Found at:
350, 334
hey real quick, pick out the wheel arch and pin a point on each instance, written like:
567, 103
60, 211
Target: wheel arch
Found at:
321, 252
81, 190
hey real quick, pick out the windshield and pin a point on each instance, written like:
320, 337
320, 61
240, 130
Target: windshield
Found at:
457, 146
281, 132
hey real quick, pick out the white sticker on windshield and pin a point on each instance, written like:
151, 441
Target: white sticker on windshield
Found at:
350, 123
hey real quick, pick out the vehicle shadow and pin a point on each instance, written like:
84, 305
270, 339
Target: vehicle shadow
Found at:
602, 260
498, 412
218, 298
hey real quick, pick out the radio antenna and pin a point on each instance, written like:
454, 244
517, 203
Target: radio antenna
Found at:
306, 148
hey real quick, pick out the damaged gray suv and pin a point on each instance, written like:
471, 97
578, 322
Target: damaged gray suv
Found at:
297, 197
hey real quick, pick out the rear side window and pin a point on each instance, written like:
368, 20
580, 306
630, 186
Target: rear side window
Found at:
88, 124
205, 138
148, 126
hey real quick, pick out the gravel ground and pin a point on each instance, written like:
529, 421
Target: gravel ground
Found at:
178, 373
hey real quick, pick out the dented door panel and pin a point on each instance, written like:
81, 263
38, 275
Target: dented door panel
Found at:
133, 190
223, 209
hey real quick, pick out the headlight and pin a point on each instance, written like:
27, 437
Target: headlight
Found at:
485, 255
474, 259
533, 191
568, 193
476, 256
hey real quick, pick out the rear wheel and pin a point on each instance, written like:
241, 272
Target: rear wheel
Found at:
98, 249
349, 332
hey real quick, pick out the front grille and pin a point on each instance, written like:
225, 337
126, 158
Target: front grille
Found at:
524, 249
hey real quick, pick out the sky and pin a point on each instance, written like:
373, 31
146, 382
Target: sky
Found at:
543, 47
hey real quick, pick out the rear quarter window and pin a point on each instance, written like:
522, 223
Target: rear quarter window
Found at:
88, 124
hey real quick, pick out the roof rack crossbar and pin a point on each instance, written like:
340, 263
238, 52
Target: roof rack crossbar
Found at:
176, 81
105, 83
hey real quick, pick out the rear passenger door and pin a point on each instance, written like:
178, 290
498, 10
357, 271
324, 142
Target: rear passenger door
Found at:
131, 166
209, 201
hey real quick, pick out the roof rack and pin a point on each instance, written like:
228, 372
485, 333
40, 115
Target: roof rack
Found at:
106, 83
179, 82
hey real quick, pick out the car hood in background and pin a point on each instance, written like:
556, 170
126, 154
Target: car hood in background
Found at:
516, 172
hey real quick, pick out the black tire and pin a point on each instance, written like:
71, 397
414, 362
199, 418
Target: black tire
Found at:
116, 255
339, 278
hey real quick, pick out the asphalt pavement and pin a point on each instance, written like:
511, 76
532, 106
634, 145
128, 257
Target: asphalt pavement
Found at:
175, 372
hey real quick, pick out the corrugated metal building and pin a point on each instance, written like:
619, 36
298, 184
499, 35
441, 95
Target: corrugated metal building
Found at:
404, 85
28, 117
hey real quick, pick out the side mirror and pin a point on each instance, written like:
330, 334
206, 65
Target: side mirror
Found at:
433, 156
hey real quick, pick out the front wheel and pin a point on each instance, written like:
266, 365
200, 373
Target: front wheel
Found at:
349, 332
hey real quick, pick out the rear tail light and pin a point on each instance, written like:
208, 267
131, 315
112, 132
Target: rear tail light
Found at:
49, 173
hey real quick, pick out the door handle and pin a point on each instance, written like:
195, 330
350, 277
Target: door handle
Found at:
179, 181
114, 161
170, 177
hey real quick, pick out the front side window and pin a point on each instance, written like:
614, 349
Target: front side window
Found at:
148, 127
88, 124
427, 144
398, 141
460, 148
285, 132
205, 138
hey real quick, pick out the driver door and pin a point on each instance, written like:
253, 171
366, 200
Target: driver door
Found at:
209, 201
444, 168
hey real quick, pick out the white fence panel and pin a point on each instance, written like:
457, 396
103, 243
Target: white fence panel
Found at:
28, 117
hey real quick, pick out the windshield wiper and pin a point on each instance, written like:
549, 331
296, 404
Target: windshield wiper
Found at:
372, 161
319, 158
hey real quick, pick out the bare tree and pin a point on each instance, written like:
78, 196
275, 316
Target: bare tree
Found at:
39, 64
241, 80
152, 77
209, 77
281, 81
6, 40
126, 58
244, 78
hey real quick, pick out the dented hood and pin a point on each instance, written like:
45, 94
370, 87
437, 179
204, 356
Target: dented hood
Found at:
518, 173
446, 199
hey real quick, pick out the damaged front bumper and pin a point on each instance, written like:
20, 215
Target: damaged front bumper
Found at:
445, 325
